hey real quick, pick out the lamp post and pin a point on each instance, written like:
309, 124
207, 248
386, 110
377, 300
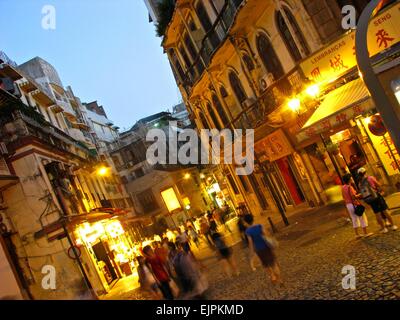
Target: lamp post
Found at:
371, 81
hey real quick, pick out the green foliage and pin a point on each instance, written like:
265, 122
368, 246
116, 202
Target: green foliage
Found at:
166, 11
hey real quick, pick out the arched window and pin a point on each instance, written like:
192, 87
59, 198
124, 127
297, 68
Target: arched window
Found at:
237, 87
213, 116
247, 60
288, 38
220, 110
223, 92
269, 57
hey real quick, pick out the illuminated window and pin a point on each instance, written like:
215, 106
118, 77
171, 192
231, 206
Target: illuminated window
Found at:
170, 199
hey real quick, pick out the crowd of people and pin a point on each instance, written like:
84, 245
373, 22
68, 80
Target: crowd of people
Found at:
168, 268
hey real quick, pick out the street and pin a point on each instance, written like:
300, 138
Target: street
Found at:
312, 252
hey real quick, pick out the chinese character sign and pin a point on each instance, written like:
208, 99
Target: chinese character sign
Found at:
386, 150
334, 60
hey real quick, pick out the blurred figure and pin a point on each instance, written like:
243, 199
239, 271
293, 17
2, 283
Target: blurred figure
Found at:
263, 248
194, 237
225, 254
191, 280
159, 271
205, 231
183, 240
146, 279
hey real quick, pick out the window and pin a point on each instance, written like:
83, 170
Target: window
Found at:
248, 62
237, 87
288, 37
190, 46
206, 23
220, 110
223, 92
214, 119
269, 57
147, 201
139, 173
176, 64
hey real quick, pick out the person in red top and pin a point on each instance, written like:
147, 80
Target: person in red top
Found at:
160, 273
350, 198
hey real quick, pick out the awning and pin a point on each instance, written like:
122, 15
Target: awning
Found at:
338, 106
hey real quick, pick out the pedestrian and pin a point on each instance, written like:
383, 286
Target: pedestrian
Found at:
213, 225
205, 230
159, 271
351, 197
146, 279
242, 228
372, 193
264, 248
183, 240
225, 254
194, 237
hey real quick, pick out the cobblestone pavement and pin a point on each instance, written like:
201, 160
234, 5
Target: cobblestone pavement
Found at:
312, 252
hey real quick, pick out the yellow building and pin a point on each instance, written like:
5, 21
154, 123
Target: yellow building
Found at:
246, 64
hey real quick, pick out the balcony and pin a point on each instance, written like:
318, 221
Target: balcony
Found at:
212, 41
276, 95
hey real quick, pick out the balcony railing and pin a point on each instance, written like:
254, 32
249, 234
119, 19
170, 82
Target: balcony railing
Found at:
212, 40
269, 101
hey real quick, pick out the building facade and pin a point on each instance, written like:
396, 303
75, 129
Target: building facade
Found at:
63, 210
287, 70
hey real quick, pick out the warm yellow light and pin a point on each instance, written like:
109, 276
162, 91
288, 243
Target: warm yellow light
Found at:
170, 199
313, 90
187, 176
102, 171
202, 176
294, 104
367, 120
186, 201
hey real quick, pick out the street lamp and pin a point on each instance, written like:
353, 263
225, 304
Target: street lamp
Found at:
294, 105
186, 176
313, 90
102, 171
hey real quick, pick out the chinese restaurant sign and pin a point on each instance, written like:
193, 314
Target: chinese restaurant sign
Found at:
386, 151
273, 147
339, 57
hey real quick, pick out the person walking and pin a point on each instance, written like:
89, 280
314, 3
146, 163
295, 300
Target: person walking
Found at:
264, 248
193, 236
205, 231
183, 240
146, 279
159, 271
372, 193
225, 254
350, 198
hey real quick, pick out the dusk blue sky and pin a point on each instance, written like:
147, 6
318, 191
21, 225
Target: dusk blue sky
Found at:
105, 49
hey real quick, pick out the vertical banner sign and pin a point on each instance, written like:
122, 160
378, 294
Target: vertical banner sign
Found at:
386, 150
336, 59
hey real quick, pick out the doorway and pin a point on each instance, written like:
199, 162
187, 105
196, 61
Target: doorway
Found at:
101, 254
290, 180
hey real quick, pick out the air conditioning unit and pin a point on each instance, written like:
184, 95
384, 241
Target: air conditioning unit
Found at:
248, 102
3, 148
266, 81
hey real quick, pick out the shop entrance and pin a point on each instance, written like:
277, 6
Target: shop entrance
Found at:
290, 180
101, 254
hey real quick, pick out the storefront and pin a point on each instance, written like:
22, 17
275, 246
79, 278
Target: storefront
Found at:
108, 248
285, 170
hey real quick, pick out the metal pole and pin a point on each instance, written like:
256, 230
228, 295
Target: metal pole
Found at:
378, 95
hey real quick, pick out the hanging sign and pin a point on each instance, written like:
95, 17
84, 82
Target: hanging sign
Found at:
337, 58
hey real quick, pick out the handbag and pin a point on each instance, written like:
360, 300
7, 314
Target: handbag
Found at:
358, 209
